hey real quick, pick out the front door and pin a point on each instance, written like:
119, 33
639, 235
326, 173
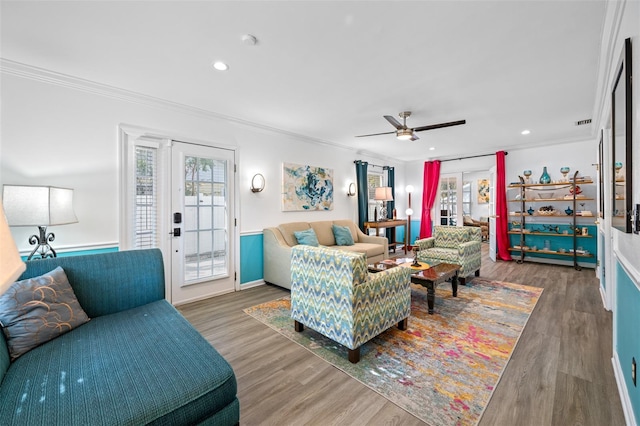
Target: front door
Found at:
202, 222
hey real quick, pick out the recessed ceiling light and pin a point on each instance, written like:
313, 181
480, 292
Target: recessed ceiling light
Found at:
433, 148
220, 66
525, 132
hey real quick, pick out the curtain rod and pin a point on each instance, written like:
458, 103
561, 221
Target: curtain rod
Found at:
471, 156
372, 165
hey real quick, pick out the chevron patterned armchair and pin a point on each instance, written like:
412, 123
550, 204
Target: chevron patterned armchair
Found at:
453, 244
333, 294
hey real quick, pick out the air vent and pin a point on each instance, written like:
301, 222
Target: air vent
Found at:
583, 122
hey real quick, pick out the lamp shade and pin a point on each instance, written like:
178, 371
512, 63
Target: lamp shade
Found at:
11, 265
383, 193
38, 205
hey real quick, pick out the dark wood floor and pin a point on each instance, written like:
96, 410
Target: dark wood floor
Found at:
560, 372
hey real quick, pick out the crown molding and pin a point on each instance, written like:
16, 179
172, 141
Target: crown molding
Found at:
43, 75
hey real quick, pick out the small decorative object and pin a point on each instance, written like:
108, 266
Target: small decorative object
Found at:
568, 211
565, 170
544, 177
546, 195
578, 190
585, 231
547, 245
546, 211
618, 167
530, 211
415, 257
527, 175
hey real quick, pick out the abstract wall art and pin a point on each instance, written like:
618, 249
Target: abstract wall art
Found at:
483, 191
306, 188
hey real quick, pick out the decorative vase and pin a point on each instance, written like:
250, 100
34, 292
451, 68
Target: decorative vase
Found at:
530, 211
569, 211
545, 178
527, 176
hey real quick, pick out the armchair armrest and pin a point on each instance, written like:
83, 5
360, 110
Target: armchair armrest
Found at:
425, 243
468, 248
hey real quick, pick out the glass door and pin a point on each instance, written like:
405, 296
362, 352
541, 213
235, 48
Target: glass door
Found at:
202, 201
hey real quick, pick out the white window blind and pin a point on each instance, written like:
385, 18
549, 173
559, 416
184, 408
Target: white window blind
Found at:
146, 198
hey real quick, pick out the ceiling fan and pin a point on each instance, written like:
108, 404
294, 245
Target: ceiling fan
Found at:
408, 134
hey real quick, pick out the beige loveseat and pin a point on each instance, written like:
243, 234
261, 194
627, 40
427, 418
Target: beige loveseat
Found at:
279, 240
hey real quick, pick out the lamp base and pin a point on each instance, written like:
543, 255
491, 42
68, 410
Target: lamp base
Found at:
42, 249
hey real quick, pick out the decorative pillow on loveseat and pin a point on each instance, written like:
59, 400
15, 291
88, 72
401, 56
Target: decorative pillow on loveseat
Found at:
343, 235
39, 309
307, 237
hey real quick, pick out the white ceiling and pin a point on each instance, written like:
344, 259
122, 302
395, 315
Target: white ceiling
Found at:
330, 70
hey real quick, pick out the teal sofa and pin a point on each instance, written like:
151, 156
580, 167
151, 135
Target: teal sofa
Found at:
137, 361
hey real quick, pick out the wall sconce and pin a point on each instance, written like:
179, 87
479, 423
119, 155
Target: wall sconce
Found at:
39, 206
352, 190
257, 183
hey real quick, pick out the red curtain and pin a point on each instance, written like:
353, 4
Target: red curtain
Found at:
429, 192
502, 213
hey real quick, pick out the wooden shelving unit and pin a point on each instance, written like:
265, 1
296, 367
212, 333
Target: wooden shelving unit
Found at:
524, 190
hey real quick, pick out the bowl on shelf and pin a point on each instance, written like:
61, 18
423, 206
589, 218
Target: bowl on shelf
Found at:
545, 195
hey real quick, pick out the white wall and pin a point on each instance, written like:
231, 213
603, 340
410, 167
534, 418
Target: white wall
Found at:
57, 135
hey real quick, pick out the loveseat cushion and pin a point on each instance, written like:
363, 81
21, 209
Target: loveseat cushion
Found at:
287, 230
371, 250
144, 365
343, 235
324, 231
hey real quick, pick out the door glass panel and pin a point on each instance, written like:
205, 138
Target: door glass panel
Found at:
206, 206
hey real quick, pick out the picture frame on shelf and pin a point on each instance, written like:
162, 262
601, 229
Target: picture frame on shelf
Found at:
621, 128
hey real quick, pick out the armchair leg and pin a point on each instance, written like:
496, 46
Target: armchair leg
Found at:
462, 280
354, 355
402, 325
478, 273
298, 326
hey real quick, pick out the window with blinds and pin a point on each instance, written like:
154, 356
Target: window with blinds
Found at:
146, 198
374, 180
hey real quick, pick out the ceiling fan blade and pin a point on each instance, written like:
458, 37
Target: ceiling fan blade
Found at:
439, 126
394, 122
374, 134
414, 137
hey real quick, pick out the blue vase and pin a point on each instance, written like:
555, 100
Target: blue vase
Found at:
545, 178
569, 211
530, 211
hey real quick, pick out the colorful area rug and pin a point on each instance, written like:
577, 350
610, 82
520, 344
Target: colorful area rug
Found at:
444, 367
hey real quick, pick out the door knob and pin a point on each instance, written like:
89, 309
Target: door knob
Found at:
176, 232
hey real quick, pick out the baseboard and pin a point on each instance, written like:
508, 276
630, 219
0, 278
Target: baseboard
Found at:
251, 284
629, 417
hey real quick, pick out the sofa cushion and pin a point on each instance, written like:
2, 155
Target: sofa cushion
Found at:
324, 231
287, 230
144, 365
36, 310
342, 235
306, 237
441, 254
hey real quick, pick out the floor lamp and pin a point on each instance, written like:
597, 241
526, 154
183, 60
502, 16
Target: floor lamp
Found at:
409, 212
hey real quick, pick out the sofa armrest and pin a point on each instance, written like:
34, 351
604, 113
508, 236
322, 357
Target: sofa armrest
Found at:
425, 243
277, 258
372, 239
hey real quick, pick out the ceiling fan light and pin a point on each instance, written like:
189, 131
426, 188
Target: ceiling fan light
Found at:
404, 134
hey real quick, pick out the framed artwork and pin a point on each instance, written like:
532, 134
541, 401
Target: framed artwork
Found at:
306, 188
621, 125
483, 191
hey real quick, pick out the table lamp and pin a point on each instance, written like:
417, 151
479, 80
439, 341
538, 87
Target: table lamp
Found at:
384, 194
39, 206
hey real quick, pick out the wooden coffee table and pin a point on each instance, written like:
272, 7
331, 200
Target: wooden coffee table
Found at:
429, 278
